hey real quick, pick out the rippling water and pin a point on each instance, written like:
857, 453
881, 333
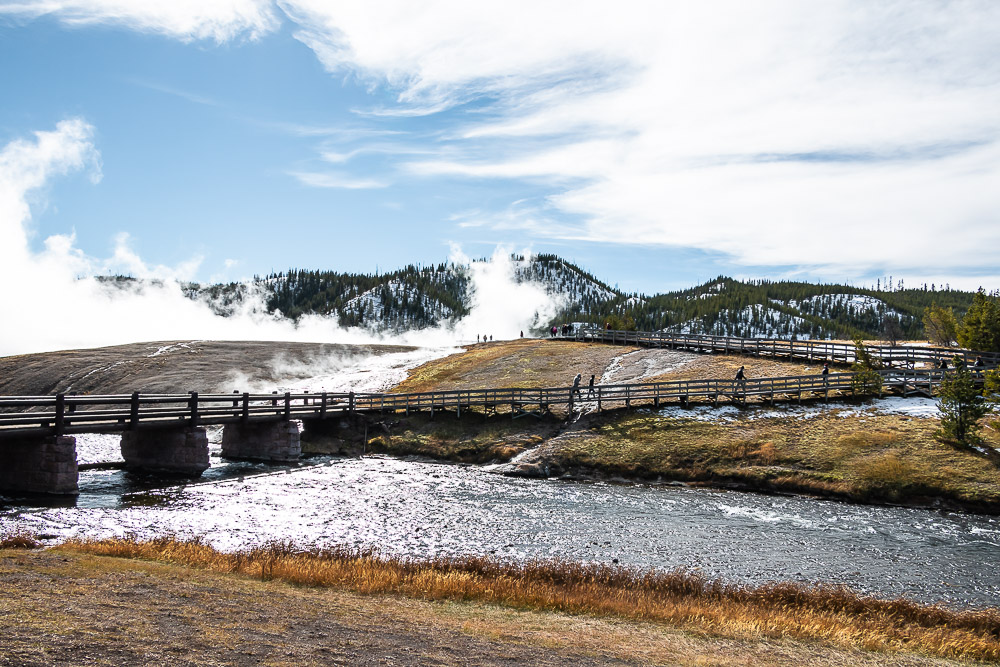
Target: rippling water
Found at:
422, 509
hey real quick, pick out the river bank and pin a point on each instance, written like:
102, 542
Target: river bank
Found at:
187, 603
878, 451
875, 453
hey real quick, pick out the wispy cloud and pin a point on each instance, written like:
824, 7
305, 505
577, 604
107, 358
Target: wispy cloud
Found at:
187, 20
333, 180
751, 130
176, 92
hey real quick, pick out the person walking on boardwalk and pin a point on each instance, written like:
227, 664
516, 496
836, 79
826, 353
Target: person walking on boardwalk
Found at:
576, 386
741, 379
826, 373
590, 387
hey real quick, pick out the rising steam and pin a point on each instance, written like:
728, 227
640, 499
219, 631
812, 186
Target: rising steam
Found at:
51, 301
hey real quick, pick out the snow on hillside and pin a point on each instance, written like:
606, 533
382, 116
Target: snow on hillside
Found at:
378, 305
558, 278
753, 321
857, 303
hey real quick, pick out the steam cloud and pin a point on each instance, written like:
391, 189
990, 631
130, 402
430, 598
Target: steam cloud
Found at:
51, 301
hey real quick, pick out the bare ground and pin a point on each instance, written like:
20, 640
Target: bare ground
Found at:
59, 608
554, 363
171, 366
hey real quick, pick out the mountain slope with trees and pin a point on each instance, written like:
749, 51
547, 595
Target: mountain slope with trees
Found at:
416, 297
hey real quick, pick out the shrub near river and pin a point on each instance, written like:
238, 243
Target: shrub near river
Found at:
859, 456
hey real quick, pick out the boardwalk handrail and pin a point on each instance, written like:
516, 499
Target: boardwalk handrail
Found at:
810, 350
66, 414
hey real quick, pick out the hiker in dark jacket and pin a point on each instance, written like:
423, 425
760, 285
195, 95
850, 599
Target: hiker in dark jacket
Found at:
741, 380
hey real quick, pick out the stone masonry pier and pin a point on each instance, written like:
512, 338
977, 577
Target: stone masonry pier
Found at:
182, 451
264, 441
39, 465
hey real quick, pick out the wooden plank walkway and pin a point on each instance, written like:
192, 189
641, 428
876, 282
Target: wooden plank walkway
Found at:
26, 416
909, 356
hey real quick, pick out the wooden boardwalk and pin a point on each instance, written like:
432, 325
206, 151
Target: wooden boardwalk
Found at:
33, 416
908, 356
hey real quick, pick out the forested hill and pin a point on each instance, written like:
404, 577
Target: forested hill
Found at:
410, 298
765, 309
421, 296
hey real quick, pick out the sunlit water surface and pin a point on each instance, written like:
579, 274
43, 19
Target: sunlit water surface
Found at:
424, 509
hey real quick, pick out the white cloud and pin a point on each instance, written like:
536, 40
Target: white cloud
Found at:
186, 20
835, 134
841, 135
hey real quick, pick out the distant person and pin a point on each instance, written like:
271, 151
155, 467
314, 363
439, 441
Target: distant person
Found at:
477, 338
979, 363
943, 365
491, 338
590, 387
826, 372
741, 379
522, 333
576, 385
552, 331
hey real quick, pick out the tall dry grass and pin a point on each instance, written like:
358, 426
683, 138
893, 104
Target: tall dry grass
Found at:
681, 599
18, 540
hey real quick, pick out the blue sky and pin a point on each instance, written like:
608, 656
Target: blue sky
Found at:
656, 144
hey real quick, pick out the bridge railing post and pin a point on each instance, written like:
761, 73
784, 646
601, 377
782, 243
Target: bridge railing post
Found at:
245, 417
193, 407
288, 405
133, 410
60, 413
350, 402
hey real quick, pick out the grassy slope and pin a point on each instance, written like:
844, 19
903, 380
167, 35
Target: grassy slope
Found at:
865, 457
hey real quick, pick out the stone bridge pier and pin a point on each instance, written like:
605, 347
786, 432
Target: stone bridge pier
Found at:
39, 465
182, 451
262, 441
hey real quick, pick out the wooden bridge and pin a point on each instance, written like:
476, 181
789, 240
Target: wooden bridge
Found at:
165, 432
69, 414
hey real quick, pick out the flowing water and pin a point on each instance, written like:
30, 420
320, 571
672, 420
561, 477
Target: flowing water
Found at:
424, 509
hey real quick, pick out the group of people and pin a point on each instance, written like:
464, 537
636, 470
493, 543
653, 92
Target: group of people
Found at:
491, 337
566, 329
960, 363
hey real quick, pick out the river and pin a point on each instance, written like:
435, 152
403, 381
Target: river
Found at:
421, 509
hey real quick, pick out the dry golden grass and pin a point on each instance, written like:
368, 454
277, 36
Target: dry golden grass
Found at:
528, 363
688, 601
18, 540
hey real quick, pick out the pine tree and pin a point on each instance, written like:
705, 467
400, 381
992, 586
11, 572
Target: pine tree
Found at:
980, 328
940, 325
867, 380
962, 405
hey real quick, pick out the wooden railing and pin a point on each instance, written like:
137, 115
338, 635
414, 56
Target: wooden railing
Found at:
67, 414
808, 350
